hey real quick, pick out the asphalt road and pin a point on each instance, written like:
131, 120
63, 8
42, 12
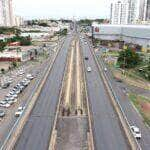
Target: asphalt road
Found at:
132, 115
108, 134
9, 120
36, 133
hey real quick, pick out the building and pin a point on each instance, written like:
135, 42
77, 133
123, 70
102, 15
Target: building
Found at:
119, 12
137, 36
19, 53
11, 13
6, 13
2, 12
145, 10
125, 12
18, 21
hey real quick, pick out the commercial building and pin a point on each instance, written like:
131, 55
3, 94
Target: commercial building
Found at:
136, 36
19, 53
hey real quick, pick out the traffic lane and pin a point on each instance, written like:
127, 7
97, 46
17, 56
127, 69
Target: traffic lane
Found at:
36, 133
133, 117
107, 130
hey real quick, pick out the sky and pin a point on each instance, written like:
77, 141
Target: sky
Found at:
31, 9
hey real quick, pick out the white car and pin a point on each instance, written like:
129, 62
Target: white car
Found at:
89, 69
4, 104
136, 132
105, 69
19, 111
21, 73
29, 76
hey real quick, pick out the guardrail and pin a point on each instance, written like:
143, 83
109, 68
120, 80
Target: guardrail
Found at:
19, 124
124, 122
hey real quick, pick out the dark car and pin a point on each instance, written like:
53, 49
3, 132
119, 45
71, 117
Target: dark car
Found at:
2, 113
6, 85
86, 58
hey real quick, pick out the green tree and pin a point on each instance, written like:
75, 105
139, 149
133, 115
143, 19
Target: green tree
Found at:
2, 46
2, 70
25, 41
128, 59
43, 24
14, 64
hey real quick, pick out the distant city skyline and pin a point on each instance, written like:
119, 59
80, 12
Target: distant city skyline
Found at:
30, 9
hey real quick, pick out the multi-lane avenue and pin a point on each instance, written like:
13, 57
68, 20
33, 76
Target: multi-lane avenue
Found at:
66, 85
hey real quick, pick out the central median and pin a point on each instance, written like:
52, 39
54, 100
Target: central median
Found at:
71, 129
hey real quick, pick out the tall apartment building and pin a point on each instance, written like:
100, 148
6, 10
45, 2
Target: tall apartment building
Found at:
133, 11
2, 5
130, 11
125, 11
119, 12
6, 13
11, 13
145, 10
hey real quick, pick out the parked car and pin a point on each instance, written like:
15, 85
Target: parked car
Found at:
6, 85
29, 76
10, 80
4, 104
136, 132
2, 113
19, 111
12, 92
20, 73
